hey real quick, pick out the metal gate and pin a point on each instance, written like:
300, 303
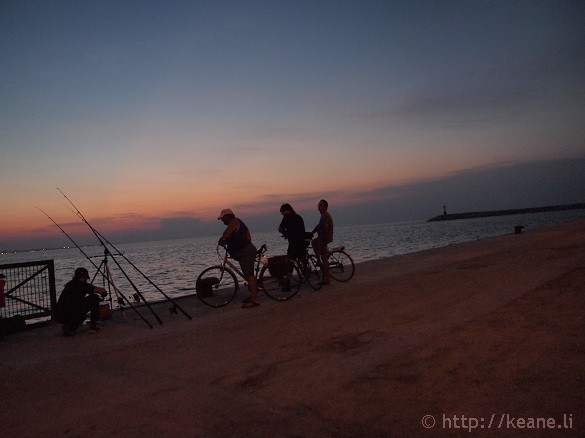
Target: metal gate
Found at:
29, 290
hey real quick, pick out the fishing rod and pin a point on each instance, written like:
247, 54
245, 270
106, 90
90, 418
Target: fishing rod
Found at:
101, 236
105, 260
70, 238
116, 290
147, 278
107, 252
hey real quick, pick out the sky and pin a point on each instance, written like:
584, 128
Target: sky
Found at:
153, 116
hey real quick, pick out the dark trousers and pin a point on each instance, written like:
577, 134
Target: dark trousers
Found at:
297, 251
74, 317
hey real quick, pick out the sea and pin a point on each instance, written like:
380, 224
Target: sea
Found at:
173, 265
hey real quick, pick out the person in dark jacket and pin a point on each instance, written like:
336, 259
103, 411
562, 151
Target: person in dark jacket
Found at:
77, 300
292, 227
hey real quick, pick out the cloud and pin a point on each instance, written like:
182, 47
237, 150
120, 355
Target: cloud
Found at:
506, 186
496, 187
494, 94
532, 184
182, 227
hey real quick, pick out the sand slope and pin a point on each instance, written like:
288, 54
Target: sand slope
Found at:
480, 329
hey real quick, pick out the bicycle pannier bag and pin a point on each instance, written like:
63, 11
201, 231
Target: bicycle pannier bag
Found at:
204, 286
278, 266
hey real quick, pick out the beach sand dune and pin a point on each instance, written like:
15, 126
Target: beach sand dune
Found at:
486, 333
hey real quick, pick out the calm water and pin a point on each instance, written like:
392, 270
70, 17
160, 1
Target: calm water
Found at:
174, 265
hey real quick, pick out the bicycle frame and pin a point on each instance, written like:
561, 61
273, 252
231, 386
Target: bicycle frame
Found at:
227, 260
337, 257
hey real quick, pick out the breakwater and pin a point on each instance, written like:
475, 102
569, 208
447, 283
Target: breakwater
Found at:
479, 214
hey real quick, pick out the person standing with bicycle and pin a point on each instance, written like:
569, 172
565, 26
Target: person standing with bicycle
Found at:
292, 227
239, 244
324, 230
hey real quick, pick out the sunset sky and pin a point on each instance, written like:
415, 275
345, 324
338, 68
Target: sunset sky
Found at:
154, 115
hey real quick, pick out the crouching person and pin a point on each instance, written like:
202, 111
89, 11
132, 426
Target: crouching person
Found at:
77, 300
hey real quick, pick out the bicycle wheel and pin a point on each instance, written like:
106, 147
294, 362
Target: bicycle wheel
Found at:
216, 286
280, 288
314, 274
341, 266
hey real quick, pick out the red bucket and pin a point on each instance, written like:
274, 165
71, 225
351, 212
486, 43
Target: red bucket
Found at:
105, 311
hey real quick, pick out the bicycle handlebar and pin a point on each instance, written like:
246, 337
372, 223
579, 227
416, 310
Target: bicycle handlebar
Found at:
262, 250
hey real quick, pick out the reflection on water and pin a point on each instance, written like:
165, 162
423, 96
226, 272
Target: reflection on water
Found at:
174, 265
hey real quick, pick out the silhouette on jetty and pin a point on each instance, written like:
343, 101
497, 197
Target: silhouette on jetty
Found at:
477, 214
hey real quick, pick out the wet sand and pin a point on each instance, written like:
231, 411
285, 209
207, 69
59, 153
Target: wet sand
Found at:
487, 333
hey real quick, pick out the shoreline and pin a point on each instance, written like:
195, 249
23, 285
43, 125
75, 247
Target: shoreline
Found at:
491, 326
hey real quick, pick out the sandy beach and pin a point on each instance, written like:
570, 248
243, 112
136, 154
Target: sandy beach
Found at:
485, 335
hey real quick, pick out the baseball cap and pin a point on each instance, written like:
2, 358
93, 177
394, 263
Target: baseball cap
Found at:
79, 272
224, 212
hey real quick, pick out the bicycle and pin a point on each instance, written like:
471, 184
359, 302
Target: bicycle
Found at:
341, 265
310, 270
218, 285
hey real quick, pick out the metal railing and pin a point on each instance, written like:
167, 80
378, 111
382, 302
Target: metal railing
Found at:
29, 290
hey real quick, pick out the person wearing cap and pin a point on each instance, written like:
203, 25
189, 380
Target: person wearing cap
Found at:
77, 300
239, 244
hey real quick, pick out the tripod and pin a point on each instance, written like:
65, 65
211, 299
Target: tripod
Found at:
107, 277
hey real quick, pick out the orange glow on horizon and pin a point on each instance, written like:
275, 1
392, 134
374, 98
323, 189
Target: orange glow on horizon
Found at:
131, 209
